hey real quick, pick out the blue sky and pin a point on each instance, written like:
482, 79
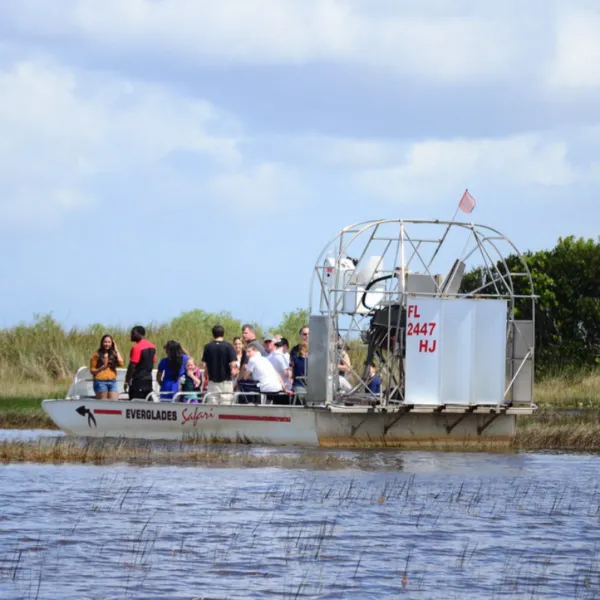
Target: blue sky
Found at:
163, 155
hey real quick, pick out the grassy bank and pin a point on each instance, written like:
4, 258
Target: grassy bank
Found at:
550, 429
579, 389
106, 451
20, 403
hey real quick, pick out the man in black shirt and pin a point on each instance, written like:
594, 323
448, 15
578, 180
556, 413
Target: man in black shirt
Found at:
220, 362
138, 379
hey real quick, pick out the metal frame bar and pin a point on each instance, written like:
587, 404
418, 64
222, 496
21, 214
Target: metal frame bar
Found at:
398, 235
460, 419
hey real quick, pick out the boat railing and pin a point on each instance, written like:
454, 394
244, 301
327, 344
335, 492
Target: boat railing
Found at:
256, 398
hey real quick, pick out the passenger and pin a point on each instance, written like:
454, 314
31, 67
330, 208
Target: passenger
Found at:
238, 346
299, 364
249, 337
190, 381
281, 362
103, 367
171, 369
344, 366
263, 372
269, 343
303, 337
220, 362
285, 347
374, 381
138, 379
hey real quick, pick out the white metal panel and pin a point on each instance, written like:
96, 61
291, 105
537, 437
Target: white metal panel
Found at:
421, 283
423, 351
456, 351
319, 386
523, 338
522, 389
489, 352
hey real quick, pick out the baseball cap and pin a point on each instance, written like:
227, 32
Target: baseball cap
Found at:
269, 337
282, 342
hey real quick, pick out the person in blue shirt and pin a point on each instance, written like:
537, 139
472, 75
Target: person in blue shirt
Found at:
374, 381
171, 369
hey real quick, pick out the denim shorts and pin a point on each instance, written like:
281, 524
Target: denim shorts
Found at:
105, 386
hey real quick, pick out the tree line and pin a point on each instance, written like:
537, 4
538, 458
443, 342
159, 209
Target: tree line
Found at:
566, 280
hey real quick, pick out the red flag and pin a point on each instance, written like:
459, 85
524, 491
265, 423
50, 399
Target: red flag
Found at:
467, 202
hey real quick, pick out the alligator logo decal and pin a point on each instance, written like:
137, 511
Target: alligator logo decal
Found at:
83, 411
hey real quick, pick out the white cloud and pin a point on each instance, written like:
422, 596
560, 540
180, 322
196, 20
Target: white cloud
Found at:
431, 43
346, 152
576, 62
260, 189
61, 128
426, 170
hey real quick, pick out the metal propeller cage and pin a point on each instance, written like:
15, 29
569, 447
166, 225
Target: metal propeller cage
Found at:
365, 275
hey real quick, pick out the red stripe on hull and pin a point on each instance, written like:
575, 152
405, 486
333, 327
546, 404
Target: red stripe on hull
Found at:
107, 411
255, 418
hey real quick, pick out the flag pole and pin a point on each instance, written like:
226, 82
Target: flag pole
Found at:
443, 238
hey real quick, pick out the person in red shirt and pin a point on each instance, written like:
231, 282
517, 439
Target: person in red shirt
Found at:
138, 379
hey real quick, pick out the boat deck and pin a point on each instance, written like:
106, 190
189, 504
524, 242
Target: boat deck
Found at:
460, 409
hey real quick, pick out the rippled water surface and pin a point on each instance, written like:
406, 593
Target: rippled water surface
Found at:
411, 525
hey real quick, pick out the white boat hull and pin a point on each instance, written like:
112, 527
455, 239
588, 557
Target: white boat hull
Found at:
268, 424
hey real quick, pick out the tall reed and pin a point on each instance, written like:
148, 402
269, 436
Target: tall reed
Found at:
46, 351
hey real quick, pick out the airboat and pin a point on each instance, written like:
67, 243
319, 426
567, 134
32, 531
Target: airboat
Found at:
443, 311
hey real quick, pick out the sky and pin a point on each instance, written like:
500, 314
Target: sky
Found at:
158, 156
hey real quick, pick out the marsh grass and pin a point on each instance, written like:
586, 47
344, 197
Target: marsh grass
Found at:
569, 389
30, 419
27, 394
559, 430
47, 353
107, 451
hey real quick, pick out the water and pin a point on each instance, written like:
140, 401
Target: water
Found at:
394, 524
28, 435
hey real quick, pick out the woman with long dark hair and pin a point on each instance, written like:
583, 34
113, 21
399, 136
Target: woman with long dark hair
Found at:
103, 367
171, 369
238, 346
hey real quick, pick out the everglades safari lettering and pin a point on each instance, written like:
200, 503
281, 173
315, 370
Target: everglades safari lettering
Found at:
151, 415
195, 415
